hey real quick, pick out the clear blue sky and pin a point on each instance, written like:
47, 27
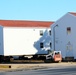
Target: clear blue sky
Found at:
41, 10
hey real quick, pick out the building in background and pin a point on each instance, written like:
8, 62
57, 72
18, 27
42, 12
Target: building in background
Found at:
63, 34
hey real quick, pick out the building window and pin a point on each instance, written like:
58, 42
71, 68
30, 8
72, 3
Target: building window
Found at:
69, 46
68, 30
49, 32
50, 44
41, 32
41, 45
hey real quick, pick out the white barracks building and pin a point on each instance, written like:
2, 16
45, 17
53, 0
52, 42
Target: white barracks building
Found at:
24, 37
63, 35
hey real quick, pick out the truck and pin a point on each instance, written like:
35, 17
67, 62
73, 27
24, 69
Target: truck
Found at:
54, 56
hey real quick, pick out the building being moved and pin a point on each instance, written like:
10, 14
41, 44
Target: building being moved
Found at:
24, 37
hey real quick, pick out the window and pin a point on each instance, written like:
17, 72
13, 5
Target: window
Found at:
41, 32
41, 45
50, 44
49, 32
68, 30
69, 46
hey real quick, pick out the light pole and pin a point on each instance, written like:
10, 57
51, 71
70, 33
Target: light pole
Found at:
54, 35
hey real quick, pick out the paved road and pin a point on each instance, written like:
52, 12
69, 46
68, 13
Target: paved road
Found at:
47, 71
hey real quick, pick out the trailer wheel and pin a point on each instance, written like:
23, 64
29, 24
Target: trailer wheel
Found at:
1, 58
11, 59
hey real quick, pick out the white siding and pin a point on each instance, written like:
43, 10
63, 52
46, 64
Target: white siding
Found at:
62, 39
23, 41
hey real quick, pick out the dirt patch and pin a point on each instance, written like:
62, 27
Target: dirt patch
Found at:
19, 67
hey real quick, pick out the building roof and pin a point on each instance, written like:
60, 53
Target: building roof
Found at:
24, 23
73, 13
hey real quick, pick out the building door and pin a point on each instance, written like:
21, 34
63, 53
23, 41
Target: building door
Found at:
69, 50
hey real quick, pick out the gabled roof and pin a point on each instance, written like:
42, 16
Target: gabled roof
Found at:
22, 23
73, 13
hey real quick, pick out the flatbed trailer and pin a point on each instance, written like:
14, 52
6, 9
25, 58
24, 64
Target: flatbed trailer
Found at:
27, 61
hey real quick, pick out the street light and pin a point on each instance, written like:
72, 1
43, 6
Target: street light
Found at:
54, 34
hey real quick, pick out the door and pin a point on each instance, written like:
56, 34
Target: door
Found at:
69, 50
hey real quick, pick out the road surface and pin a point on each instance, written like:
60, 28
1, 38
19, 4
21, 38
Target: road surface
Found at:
70, 70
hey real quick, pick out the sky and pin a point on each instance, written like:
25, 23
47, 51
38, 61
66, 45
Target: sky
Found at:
39, 10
